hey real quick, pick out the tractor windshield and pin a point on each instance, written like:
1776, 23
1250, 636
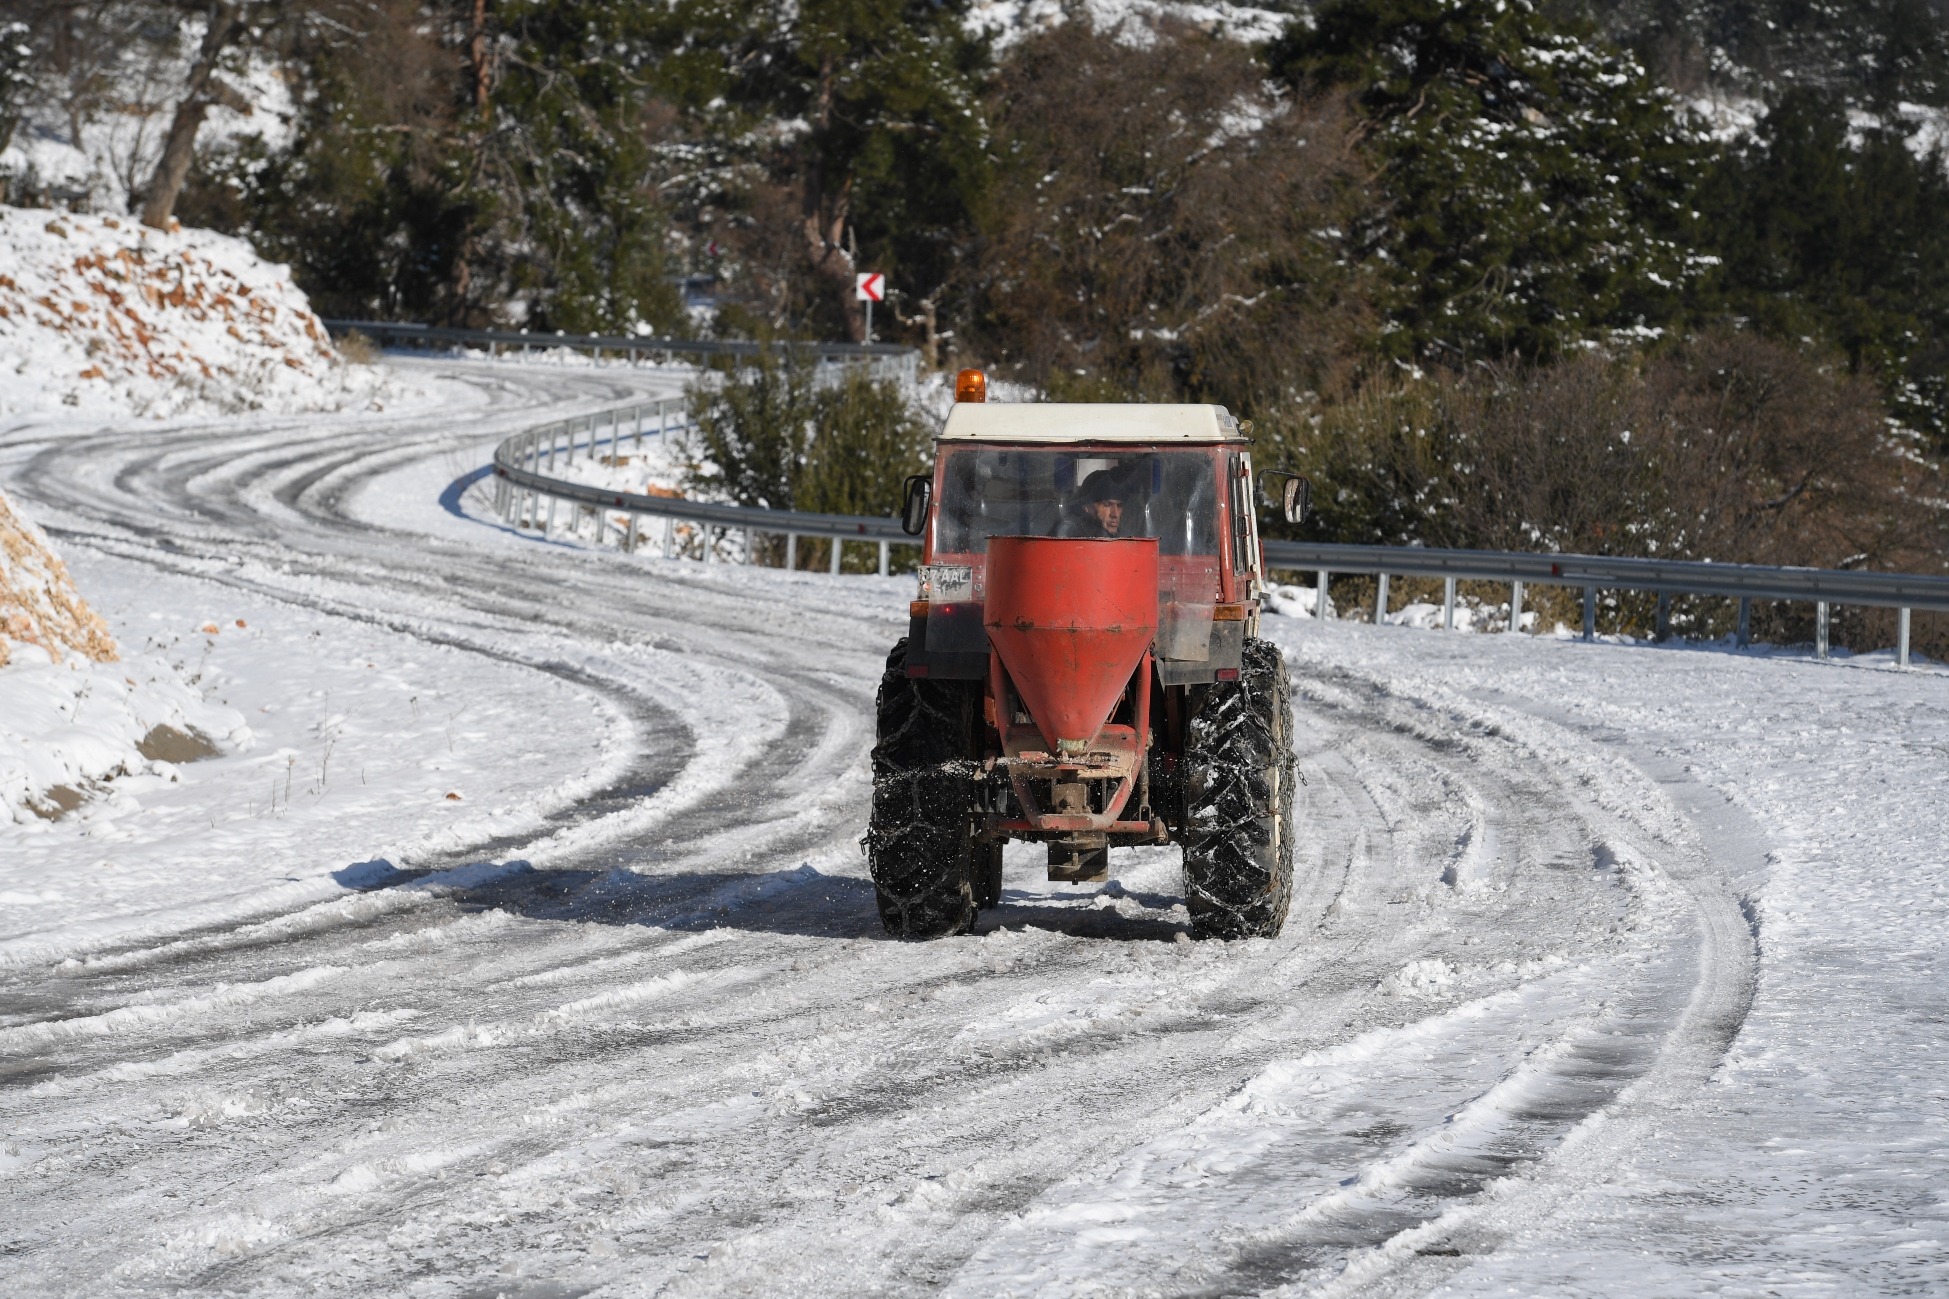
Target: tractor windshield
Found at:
993, 491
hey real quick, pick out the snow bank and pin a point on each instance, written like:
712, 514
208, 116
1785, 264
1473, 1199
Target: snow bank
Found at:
71, 717
99, 314
68, 728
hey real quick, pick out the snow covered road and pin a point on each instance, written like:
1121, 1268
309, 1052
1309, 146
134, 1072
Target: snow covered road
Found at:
1611, 971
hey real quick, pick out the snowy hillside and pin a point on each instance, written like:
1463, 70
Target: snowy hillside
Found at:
72, 717
1133, 20
99, 315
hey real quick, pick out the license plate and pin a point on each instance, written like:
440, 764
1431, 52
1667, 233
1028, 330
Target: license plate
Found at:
946, 583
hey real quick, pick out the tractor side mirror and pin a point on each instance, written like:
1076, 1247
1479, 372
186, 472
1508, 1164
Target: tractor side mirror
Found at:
913, 509
1295, 497
1298, 499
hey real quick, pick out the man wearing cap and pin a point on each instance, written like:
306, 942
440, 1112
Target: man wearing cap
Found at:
1099, 507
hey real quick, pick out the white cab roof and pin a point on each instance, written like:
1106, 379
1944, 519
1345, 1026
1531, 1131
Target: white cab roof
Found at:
1087, 422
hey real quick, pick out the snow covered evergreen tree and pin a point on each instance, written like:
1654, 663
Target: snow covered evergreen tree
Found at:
1535, 183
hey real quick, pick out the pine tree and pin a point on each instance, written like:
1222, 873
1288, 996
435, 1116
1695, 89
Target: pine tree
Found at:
1536, 183
563, 124
1841, 233
863, 115
476, 162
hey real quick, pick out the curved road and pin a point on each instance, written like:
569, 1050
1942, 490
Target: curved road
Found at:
661, 1047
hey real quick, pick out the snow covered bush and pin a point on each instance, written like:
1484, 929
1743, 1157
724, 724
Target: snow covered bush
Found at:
783, 434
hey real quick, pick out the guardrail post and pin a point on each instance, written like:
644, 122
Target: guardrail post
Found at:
549, 527
1380, 603
1448, 604
791, 550
669, 537
1319, 597
1590, 613
629, 537
884, 547
1515, 606
750, 552
710, 551
1901, 638
1820, 629
836, 544
1744, 636
1661, 630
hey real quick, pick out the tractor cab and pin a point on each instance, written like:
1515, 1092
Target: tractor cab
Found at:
1178, 475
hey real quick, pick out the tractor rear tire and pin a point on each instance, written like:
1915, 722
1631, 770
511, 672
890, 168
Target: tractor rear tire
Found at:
1238, 793
920, 844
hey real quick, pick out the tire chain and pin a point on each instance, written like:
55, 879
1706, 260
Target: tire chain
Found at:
1239, 776
919, 844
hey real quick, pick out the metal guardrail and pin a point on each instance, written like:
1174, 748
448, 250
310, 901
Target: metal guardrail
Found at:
524, 482
1823, 587
887, 360
527, 494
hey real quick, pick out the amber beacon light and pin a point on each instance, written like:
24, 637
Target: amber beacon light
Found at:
971, 385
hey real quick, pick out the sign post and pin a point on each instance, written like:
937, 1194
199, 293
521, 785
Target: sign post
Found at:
870, 287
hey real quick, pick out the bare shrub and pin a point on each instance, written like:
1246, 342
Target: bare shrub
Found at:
1163, 223
356, 349
1727, 447
1764, 454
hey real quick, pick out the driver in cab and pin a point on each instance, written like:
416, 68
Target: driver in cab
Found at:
1098, 511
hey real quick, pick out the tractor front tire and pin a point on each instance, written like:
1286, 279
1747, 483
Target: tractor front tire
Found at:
1238, 794
920, 843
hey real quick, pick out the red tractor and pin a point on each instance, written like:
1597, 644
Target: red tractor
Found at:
1082, 668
